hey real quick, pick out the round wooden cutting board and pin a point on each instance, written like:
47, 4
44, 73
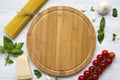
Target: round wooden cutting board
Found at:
61, 41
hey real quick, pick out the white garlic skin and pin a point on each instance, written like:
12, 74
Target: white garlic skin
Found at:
103, 8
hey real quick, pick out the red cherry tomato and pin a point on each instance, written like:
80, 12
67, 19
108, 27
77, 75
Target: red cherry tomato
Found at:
99, 70
95, 76
81, 77
105, 53
111, 55
96, 63
100, 57
103, 65
108, 61
87, 74
91, 69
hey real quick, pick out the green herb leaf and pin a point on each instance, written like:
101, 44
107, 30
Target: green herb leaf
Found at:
11, 48
8, 60
37, 73
14, 49
101, 30
92, 9
8, 44
2, 49
16, 52
114, 13
102, 24
114, 36
15, 44
100, 36
19, 45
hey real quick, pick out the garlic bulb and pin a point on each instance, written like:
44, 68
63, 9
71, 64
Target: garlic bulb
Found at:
103, 8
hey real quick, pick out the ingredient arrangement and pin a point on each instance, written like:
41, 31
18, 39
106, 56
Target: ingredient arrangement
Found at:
101, 62
11, 49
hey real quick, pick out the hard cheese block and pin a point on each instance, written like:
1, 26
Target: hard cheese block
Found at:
23, 68
23, 17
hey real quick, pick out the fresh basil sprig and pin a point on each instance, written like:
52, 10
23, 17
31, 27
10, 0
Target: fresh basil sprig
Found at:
101, 30
114, 13
11, 48
37, 73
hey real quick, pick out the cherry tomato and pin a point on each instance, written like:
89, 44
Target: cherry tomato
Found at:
91, 69
99, 70
96, 63
105, 53
87, 74
81, 77
100, 57
95, 76
103, 65
108, 61
111, 55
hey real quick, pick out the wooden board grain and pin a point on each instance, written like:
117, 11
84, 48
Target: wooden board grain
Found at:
61, 41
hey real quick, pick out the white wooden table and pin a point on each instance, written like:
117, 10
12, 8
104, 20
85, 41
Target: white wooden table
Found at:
8, 10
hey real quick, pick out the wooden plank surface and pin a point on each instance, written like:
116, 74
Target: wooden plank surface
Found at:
61, 41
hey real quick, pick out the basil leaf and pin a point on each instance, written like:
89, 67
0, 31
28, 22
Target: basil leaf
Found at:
92, 9
100, 36
102, 24
114, 13
8, 44
15, 44
37, 73
114, 36
8, 60
101, 30
19, 45
2, 49
16, 52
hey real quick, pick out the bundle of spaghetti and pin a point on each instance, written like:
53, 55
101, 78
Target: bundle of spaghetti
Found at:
15, 26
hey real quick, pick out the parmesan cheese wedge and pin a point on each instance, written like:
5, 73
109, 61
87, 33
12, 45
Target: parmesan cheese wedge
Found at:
23, 68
